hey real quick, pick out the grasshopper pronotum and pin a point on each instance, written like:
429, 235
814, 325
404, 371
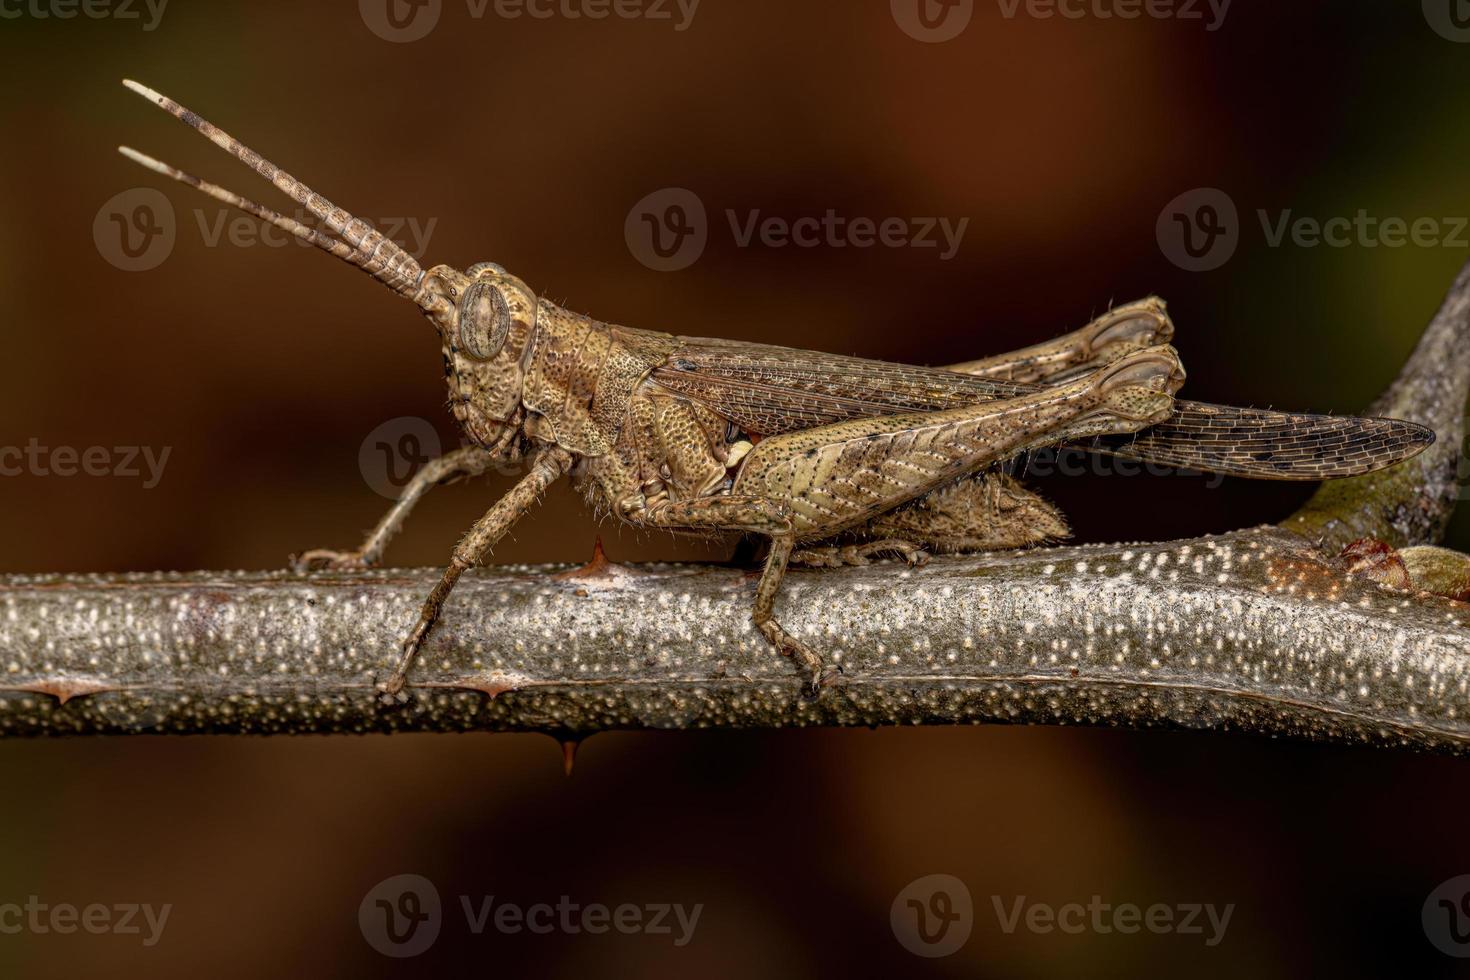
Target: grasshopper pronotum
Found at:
832, 459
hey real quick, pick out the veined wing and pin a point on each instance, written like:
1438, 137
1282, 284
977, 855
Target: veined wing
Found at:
768, 390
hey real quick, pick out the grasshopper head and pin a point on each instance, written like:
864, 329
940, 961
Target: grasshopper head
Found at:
485, 318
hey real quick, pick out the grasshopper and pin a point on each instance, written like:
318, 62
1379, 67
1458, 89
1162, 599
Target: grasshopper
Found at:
834, 460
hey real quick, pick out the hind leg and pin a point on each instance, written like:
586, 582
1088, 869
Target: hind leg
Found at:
986, 512
1120, 330
833, 478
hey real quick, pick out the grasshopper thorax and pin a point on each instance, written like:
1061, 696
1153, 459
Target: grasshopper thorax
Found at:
486, 318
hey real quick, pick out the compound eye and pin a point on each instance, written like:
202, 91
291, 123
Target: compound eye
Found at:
484, 320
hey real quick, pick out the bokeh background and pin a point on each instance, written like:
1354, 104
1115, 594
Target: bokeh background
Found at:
527, 141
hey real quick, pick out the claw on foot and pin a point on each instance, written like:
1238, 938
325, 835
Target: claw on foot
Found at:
393, 686
806, 658
393, 700
392, 689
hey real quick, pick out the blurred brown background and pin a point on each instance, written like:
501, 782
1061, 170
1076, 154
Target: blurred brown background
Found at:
528, 141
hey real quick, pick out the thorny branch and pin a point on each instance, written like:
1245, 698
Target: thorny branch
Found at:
1263, 630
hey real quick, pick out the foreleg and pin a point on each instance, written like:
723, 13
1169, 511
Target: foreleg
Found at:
467, 462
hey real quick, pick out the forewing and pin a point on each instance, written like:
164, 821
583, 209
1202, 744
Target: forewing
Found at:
768, 390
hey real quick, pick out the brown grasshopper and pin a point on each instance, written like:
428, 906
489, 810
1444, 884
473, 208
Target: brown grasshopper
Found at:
834, 460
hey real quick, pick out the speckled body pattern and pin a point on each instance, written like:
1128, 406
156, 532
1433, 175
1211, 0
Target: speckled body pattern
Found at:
612, 406
691, 434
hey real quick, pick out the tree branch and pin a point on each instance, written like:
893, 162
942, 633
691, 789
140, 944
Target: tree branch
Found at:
1411, 503
1251, 631
1259, 631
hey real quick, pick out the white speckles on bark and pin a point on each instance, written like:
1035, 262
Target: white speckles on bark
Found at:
1285, 645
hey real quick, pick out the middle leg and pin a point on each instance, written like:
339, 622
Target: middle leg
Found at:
757, 515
